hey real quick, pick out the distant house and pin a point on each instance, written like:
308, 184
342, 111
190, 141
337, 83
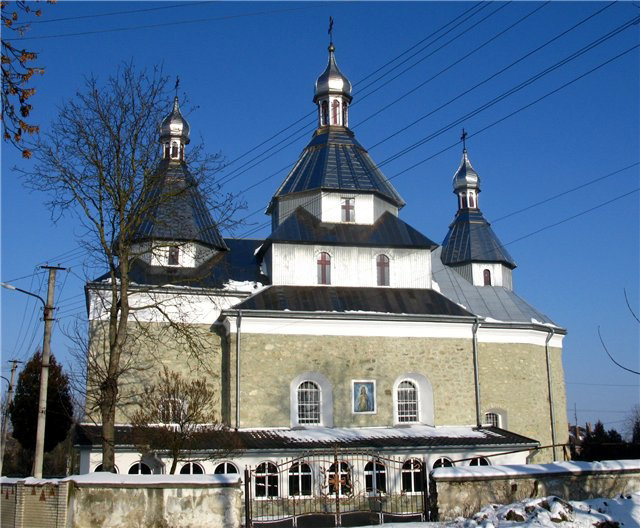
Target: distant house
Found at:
345, 328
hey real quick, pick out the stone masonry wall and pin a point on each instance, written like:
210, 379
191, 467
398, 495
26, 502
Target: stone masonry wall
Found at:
467, 494
194, 351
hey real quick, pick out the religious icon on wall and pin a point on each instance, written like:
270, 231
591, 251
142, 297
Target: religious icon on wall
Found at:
364, 396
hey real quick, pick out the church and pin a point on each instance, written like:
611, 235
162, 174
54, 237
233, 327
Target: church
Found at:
344, 329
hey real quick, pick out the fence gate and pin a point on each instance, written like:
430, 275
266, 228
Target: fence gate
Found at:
336, 488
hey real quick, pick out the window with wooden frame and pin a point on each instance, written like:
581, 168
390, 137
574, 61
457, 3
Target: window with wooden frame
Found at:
324, 268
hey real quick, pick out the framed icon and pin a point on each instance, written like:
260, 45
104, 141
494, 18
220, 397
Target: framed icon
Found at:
363, 396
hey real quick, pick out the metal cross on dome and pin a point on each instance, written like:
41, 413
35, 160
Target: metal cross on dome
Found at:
463, 137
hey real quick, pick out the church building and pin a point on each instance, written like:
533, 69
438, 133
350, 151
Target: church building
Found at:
345, 328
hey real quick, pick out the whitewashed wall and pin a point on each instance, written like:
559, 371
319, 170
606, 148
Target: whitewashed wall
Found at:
287, 205
296, 265
191, 254
188, 306
500, 274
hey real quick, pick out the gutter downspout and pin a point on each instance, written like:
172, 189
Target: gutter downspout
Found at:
476, 379
238, 323
551, 414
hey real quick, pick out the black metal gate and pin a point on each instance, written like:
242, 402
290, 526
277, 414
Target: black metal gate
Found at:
336, 488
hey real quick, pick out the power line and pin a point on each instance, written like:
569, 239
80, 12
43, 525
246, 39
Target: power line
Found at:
165, 24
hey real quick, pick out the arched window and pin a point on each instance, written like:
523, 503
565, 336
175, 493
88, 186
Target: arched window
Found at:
174, 150
300, 479
479, 461
166, 151
225, 468
463, 201
139, 468
407, 402
412, 479
340, 481
324, 268
375, 477
308, 403
171, 410
174, 256
492, 419
192, 468
324, 120
345, 121
442, 462
472, 199
486, 275
266, 480
99, 468
181, 152
335, 111
382, 267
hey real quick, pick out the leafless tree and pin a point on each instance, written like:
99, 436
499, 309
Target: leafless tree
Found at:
17, 71
174, 415
99, 161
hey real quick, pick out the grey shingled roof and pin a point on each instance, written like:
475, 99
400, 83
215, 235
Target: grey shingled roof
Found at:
352, 299
486, 301
182, 215
471, 239
388, 231
334, 160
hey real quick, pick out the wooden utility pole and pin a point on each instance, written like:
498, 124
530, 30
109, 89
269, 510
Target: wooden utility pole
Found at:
5, 418
44, 374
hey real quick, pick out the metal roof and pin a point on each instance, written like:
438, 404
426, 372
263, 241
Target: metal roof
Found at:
288, 439
335, 161
471, 239
352, 299
486, 301
174, 209
388, 231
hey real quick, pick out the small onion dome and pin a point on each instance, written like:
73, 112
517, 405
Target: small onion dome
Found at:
331, 81
465, 177
174, 125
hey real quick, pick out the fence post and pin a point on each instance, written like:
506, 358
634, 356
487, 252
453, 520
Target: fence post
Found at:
247, 497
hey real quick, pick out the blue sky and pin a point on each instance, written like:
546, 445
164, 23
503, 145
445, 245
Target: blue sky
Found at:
249, 69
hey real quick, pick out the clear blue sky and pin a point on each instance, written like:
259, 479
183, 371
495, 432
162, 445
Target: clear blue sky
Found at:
250, 68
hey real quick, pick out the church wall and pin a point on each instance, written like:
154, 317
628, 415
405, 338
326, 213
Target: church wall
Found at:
150, 347
296, 264
513, 379
270, 362
288, 204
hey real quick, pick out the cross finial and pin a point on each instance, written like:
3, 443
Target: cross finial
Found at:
330, 30
177, 83
463, 137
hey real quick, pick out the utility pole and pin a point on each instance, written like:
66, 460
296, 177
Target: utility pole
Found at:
5, 420
44, 374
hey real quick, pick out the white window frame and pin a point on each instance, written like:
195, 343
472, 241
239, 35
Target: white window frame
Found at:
400, 401
307, 415
500, 413
425, 398
225, 464
326, 399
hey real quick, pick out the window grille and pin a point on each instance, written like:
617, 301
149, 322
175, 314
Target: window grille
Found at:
308, 403
407, 402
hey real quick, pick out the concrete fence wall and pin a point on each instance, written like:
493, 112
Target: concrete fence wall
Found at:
464, 491
132, 501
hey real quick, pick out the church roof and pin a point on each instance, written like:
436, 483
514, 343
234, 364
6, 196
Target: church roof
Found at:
493, 302
388, 231
415, 436
335, 161
343, 299
181, 215
471, 239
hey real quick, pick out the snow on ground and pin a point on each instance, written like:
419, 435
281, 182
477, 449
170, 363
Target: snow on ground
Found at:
622, 511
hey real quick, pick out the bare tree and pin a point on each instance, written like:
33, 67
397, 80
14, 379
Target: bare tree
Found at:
174, 415
100, 161
17, 71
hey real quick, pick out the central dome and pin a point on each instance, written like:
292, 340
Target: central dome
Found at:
174, 125
332, 81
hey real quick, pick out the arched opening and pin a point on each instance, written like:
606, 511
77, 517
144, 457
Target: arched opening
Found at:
486, 276
382, 267
340, 479
335, 109
324, 119
174, 150
408, 402
139, 468
266, 480
345, 121
192, 468
375, 478
479, 461
309, 403
300, 479
225, 468
442, 462
412, 480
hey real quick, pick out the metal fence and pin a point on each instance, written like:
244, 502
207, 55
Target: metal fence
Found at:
336, 488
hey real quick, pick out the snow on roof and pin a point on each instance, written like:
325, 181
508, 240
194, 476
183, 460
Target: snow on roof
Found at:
481, 472
330, 434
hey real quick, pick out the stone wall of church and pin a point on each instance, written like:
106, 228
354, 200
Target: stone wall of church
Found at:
193, 351
270, 362
513, 379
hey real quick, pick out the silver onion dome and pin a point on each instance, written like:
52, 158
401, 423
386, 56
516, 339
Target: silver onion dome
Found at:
332, 80
465, 177
174, 125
